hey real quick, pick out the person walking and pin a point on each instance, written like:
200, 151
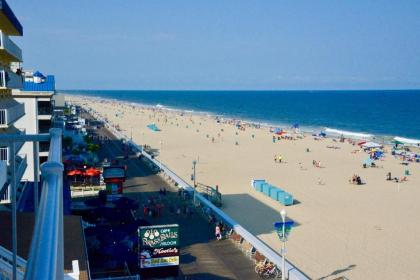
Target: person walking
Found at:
218, 232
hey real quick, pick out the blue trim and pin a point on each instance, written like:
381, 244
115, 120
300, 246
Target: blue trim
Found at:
4, 7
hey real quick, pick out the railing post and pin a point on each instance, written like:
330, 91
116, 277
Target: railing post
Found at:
36, 176
11, 156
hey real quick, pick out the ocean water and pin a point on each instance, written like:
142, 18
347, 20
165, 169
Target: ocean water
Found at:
379, 112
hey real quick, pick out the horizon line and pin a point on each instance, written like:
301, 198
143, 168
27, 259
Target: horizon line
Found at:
267, 90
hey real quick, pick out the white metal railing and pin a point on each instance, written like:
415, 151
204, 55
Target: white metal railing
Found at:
292, 272
46, 256
9, 115
22, 163
8, 45
21, 167
9, 79
6, 265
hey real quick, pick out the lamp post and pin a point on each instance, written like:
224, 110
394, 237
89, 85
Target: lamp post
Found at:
195, 185
283, 249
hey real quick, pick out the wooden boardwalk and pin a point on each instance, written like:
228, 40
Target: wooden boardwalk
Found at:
202, 256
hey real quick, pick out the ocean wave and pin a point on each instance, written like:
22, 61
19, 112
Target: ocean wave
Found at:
347, 133
407, 140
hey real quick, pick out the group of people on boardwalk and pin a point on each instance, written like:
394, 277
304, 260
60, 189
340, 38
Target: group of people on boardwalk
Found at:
154, 207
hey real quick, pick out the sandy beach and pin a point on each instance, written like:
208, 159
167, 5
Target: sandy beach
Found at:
361, 232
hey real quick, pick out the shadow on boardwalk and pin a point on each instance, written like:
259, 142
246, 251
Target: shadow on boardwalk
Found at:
202, 257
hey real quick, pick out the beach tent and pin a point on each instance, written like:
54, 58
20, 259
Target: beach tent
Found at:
277, 130
396, 142
371, 145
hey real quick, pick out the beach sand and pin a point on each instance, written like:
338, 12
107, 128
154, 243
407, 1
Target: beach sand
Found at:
362, 232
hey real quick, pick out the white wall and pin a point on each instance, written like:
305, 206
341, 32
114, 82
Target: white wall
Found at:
30, 123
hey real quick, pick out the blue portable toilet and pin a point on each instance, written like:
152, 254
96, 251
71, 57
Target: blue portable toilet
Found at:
286, 199
280, 195
266, 189
271, 191
257, 184
274, 193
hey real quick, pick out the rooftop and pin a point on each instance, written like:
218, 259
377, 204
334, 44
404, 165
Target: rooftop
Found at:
48, 85
74, 244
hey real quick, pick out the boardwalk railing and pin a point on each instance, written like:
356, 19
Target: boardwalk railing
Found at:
292, 272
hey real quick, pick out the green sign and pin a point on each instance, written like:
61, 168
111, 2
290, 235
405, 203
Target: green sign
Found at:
159, 246
159, 236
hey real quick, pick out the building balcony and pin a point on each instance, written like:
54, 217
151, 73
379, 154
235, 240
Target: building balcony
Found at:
9, 51
21, 164
10, 80
8, 21
10, 111
4, 149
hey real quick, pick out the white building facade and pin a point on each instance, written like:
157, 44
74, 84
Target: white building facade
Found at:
36, 95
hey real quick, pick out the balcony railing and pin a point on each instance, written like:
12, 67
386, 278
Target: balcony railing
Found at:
20, 167
11, 52
46, 257
5, 150
10, 80
9, 115
46, 254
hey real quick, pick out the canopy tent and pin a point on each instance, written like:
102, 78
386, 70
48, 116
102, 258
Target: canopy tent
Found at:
371, 145
396, 142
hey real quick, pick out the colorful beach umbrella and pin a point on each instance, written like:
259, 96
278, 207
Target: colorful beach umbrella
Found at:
92, 172
74, 172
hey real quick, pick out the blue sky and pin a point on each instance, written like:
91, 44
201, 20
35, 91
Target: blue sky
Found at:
223, 44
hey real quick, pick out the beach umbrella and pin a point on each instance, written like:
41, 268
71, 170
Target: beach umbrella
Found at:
361, 143
92, 172
74, 172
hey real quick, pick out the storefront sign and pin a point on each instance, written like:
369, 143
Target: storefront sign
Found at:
159, 246
113, 172
159, 262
